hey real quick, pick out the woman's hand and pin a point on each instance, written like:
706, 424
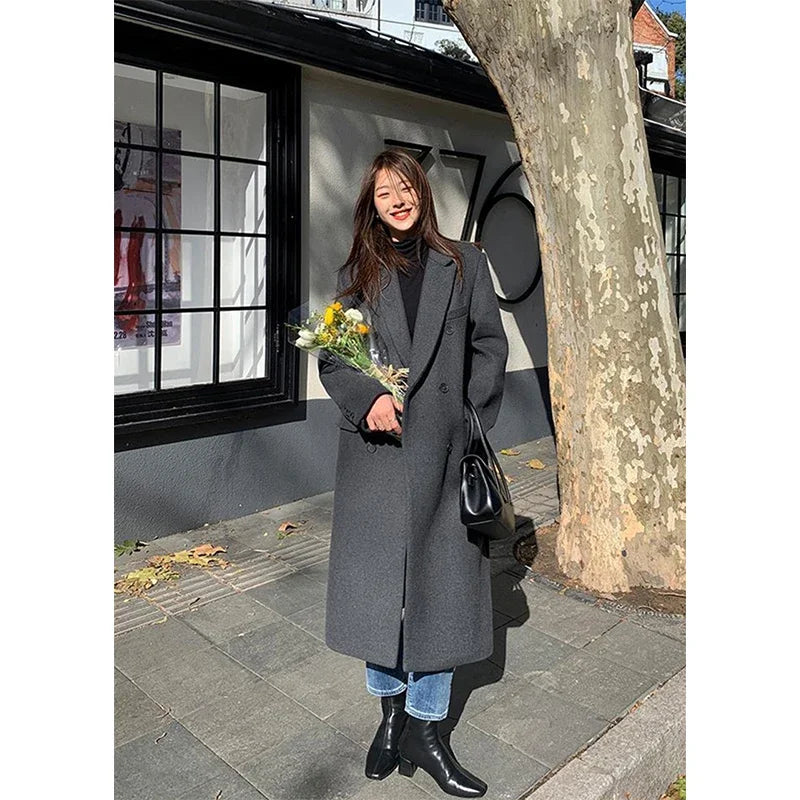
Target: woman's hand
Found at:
382, 417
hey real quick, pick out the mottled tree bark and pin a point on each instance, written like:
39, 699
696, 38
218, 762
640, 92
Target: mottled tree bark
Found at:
565, 71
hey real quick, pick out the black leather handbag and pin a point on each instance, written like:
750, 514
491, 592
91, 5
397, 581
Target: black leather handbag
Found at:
485, 497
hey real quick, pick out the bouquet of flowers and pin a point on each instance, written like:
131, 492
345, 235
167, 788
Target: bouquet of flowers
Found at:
347, 336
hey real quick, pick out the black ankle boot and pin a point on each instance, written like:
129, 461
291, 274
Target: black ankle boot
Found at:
421, 746
382, 755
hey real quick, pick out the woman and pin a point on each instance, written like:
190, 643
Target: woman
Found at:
409, 587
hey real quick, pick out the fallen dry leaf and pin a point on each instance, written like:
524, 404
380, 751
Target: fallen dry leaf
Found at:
509, 451
284, 526
207, 550
534, 463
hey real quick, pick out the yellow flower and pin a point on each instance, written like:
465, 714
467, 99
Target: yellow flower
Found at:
329, 315
337, 305
362, 328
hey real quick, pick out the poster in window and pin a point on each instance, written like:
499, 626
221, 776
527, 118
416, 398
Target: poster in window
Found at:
134, 250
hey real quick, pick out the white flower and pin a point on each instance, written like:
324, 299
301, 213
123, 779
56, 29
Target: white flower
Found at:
304, 343
354, 314
306, 336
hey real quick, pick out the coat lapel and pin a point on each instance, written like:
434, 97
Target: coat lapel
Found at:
437, 285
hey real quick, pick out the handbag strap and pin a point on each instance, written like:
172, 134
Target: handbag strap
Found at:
475, 427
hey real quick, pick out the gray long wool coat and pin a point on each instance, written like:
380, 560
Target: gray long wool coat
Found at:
397, 530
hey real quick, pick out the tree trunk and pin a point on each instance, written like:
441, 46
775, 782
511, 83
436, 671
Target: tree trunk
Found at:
565, 71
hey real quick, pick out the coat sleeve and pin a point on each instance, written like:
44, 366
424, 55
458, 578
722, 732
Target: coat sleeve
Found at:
489, 348
351, 390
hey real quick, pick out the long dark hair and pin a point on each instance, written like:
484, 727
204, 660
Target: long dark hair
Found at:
372, 245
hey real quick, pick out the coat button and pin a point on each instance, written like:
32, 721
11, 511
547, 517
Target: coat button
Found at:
449, 328
371, 447
449, 446
443, 387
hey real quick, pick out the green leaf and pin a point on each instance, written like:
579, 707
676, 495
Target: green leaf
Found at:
127, 547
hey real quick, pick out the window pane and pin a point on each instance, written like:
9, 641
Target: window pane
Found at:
243, 123
188, 358
188, 271
658, 179
242, 343
188, 193
670, 233
243, 272
134, 266
672, 194
133, 353
189, 111
683, 196
682, 240
135, 171
243, 197
682, 274
134, 100
672, 267
682, 313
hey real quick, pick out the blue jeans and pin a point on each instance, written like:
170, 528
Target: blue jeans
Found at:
427, 695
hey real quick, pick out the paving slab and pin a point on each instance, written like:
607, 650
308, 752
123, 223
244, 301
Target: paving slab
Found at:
229, 617
185, 684
313, 764
288, 597
273, 647
542, 725
146, 648
135, 714
163, 765
560, 616
638, 648
242, 724
394, 787
228, 785
605, 688
527, 652
477, 686
674, 627
311, 620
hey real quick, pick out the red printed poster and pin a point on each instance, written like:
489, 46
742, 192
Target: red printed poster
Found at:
134, 251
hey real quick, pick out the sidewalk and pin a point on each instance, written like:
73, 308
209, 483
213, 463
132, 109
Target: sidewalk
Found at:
225, 689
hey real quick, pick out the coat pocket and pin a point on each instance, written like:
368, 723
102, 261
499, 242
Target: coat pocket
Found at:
459, 311
345, 424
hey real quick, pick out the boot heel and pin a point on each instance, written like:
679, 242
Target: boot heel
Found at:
406, 767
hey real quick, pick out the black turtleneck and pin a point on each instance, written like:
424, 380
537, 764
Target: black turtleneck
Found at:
411, 284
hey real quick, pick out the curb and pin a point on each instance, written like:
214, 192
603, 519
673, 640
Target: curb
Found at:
637, 759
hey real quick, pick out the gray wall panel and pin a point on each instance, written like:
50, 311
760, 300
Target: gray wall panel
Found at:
178, 487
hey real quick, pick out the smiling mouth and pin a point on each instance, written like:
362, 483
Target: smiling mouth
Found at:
401, 214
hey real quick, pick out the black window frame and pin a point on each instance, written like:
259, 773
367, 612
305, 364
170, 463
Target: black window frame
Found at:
159, 416
668, 168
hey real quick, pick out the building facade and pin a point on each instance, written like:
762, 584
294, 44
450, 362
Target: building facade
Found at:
242, 131
421, 22
651, 35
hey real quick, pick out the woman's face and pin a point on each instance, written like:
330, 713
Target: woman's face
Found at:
396, 202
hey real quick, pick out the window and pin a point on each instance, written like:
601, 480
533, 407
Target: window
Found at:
205, 210
431, 11
671, 194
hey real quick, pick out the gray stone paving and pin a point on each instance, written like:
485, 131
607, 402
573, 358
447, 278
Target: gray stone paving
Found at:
223, 681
